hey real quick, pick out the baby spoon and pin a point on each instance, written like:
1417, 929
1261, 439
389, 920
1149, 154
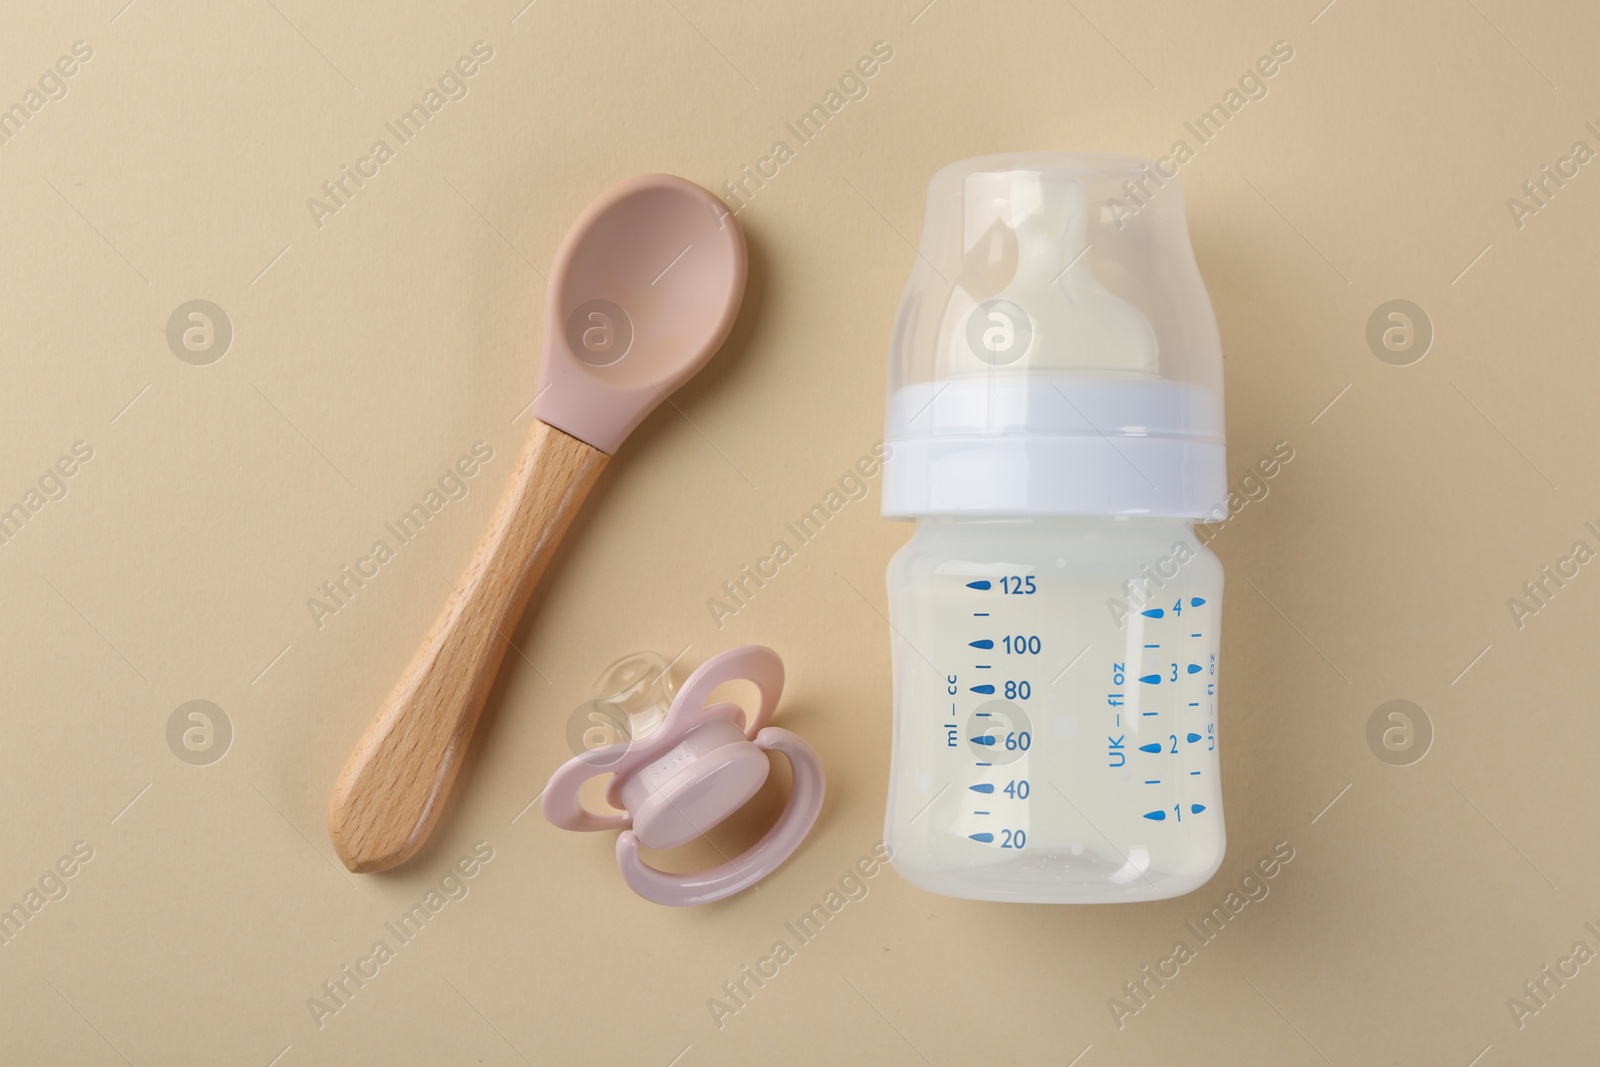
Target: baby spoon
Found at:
644, 289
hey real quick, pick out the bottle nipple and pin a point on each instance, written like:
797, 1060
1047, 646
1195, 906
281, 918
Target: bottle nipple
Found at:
1055, 314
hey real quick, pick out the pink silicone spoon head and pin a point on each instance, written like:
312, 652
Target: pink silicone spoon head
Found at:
644, 290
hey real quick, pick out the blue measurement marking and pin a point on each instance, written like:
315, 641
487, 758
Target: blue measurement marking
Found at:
1152, 781
984, 837
1194, 703
981, 739
981, 667
983, 714
982, 584
1194, 773
1192, 738
1156, 816
984, 643
1152, 613
1196, 809
1154, 746
984, 765
986, 690
1194, 635
1151, 679
1196, 601
980, 813
1149, 714
1152, 646
1194, 668
980, 614
982, 787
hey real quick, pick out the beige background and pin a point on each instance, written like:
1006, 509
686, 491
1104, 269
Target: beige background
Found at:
371, 353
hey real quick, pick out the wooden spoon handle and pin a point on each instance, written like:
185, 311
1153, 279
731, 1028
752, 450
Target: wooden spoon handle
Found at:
397, 780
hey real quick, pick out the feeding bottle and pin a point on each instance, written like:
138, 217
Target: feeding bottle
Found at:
1055, 428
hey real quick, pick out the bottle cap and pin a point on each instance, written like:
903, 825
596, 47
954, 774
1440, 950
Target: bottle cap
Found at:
1055, 351
702, 763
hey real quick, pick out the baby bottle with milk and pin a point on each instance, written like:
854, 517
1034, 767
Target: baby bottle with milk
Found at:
1054, 428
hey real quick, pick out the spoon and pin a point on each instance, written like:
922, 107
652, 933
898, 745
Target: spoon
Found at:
644, 289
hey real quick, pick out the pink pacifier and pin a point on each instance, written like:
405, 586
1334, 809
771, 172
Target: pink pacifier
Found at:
699, 766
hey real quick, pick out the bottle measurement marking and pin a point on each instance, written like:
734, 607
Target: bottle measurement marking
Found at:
1160, 814
1008, 725
1180, 672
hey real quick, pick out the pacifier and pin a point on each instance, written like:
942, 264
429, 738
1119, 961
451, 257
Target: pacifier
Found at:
702, 763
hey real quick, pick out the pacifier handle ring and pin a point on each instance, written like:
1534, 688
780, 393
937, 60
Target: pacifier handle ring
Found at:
702, 887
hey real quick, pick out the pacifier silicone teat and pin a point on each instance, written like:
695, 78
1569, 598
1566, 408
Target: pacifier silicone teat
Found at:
629, 701
703, 763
